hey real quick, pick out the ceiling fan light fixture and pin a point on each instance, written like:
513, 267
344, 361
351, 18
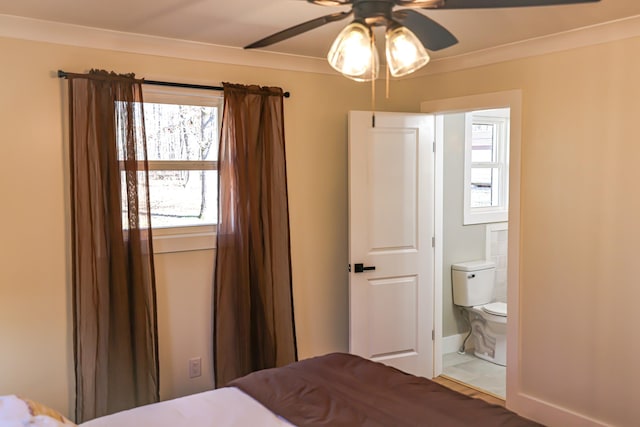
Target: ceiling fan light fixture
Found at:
353, 53
405, 53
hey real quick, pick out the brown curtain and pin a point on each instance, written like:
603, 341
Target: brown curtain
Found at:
115, 328
253, 310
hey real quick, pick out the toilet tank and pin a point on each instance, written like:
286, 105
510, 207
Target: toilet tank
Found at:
473, 282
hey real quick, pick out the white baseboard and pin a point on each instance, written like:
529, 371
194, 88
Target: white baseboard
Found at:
452, 343
549, 414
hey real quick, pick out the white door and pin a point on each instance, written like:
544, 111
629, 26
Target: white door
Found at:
391, 229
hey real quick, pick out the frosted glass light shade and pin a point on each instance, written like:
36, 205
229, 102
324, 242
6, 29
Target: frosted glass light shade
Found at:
405, 52
353, 53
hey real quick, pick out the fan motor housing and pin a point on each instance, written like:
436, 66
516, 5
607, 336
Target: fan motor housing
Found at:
373, 12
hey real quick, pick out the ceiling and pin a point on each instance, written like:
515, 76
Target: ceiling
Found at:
236, 23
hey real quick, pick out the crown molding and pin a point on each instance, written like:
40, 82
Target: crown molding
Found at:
75, 35
580, 37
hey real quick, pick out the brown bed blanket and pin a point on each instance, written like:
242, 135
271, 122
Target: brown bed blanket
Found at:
345, 390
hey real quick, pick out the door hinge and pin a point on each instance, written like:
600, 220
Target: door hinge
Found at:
434, 146
433, 335
433, 242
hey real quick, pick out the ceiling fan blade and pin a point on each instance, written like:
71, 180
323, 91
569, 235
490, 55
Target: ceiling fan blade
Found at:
432, 35
420, 4
488, 4
298, 29
331, 2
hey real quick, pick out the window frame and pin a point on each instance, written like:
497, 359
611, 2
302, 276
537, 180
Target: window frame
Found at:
500, 118
190, 237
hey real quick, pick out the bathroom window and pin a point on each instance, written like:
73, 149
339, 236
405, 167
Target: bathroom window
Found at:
486, 172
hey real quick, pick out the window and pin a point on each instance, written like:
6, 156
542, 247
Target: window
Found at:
182, 130
486, 172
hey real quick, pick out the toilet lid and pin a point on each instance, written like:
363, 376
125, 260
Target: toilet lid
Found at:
496, 308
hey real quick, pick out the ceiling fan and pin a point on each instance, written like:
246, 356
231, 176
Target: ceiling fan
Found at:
408, 33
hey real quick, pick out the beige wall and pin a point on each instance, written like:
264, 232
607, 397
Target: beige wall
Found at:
580, 233
184, 296
35, 335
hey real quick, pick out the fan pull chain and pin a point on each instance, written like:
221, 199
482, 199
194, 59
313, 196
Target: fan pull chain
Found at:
387, 81
373, 82
373, 103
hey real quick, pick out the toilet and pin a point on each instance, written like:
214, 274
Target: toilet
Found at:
473, 283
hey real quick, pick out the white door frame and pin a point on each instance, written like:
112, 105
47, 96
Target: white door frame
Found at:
513, 100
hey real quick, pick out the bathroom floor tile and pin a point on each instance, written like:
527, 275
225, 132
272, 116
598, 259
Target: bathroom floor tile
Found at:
476, 372
453, 359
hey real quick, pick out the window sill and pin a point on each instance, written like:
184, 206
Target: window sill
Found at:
183, 239
485, 217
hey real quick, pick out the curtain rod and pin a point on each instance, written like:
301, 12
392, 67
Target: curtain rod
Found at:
64, 75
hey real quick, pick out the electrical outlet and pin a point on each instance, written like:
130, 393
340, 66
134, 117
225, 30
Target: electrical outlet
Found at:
195, 367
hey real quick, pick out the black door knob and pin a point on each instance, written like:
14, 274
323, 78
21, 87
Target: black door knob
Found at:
360, 268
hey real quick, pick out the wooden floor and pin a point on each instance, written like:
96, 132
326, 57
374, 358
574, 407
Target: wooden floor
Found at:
468, 391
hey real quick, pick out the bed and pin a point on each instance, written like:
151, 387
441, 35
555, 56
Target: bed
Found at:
337, 389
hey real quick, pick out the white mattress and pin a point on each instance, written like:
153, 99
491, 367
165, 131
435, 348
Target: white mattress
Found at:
224, 407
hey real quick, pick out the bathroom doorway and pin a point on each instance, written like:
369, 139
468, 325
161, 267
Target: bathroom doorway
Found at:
475, 198
475, 227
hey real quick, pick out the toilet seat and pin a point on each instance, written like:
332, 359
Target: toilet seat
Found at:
496, 308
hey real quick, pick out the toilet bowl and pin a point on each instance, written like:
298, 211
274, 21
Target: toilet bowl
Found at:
473, 283
489, 331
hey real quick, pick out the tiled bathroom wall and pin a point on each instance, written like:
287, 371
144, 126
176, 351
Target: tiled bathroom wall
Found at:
496, 251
